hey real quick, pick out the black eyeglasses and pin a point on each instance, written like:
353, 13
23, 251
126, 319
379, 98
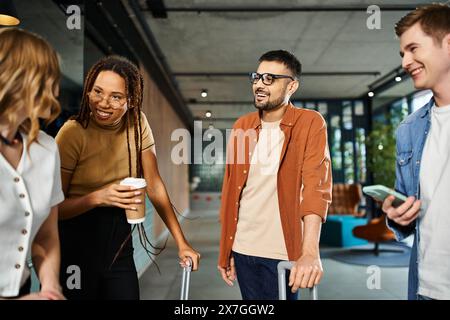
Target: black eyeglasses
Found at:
267, 78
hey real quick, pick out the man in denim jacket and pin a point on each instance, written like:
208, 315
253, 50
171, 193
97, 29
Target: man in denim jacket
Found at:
423, 154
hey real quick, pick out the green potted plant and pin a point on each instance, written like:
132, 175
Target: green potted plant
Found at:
381, 153
381, 146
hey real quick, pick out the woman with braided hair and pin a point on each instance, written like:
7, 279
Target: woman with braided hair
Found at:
109, 140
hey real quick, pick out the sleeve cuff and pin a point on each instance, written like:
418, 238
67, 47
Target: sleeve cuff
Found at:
323, 216
401, 232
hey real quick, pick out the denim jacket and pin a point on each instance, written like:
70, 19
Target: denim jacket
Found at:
411, 136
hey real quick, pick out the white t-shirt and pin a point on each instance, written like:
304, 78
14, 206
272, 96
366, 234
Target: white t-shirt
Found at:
26, 196
434, 249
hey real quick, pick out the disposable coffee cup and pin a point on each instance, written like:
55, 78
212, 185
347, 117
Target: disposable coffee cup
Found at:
136, 216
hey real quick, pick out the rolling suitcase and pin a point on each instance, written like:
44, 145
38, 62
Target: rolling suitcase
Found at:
186, 278
282, 267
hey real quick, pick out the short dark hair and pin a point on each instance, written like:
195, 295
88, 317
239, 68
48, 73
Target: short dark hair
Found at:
286, 58
434, 20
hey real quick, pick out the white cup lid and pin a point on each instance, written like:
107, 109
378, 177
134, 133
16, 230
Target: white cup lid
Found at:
135, 221
138, 183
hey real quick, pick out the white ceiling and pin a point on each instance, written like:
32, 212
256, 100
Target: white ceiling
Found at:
227, 42
233, 41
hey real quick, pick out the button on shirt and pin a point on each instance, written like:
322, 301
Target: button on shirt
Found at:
27, 194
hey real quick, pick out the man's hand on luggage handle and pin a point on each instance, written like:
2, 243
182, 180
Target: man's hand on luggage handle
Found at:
306, 272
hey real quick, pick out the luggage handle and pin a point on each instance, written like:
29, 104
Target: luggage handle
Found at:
282, 267
186, 280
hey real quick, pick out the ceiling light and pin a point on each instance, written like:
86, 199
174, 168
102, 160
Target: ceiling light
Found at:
8, 14
398, 78
208, 114
371, 94
204, 93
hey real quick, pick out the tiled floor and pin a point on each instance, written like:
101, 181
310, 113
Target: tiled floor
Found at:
341, 281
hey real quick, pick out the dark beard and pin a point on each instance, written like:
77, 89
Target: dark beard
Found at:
269, 105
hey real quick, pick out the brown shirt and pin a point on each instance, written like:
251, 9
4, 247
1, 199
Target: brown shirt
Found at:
304, 177
98, 155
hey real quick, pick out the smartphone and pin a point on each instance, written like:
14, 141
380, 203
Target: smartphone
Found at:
380, 192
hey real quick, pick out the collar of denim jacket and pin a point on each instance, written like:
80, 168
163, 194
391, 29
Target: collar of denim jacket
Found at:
427, 108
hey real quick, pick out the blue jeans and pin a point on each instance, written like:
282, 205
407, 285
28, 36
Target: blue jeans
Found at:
258, 278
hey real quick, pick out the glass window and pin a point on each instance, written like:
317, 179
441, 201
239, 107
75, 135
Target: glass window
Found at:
348, 162
359, 108
323, 108
378, 118
361, 153
336, 154
310, 105
335, 121
347, 117
399, 110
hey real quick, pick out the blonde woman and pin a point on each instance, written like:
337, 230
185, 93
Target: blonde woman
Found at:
29, 166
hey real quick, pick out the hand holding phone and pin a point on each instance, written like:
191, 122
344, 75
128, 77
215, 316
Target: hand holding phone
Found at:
401, 209
380, 193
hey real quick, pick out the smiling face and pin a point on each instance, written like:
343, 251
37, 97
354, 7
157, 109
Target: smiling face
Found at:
269, 97
427, 61
107, 98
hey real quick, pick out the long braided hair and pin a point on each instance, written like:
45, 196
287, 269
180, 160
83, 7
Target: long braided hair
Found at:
134, 85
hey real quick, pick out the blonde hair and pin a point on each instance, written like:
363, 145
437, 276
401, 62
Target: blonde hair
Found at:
29, 79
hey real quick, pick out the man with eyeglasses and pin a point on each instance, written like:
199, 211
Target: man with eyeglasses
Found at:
277, 186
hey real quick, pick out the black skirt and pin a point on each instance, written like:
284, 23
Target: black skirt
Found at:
89, 243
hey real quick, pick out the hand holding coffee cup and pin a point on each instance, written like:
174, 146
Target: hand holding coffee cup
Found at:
136, 216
